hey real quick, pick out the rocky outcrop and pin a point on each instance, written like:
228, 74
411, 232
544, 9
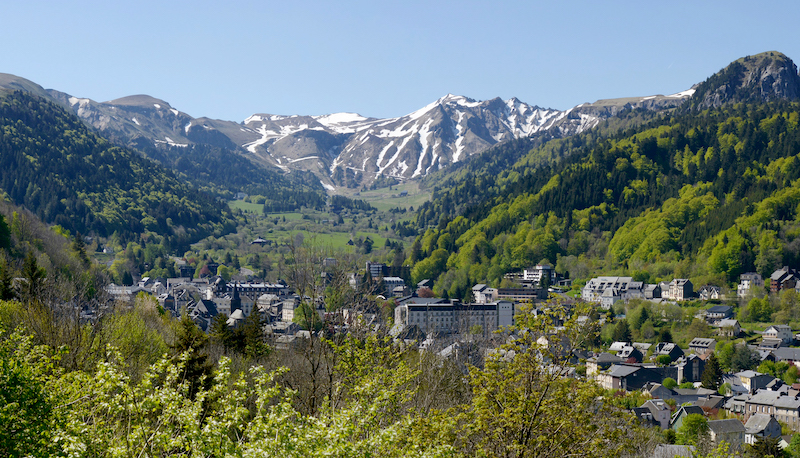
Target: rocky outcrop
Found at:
761, 78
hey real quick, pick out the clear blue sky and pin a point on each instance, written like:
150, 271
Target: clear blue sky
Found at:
381, 58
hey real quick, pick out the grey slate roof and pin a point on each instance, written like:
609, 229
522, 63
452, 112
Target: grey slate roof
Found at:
726, 426
622, 371
757, 423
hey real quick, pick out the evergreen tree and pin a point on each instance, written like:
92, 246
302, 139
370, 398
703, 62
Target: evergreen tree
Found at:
79, 247
34, 276
622, 332
6, 281
712, 374
191, 341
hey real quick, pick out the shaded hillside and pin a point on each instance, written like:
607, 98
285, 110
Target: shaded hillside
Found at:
52, 164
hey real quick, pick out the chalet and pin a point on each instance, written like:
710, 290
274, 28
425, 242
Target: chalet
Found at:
748, 282
781, 332
783, 278
761, 426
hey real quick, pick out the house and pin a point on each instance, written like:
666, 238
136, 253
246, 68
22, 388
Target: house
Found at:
731, 431
680, 413
719, 312
668, 348
690, 368
633, 377
600, 363
790, 355
754, 381
482, 294
728, 327
779, 331
783, 404
701, 345
630, 354
654, 411
769, 344
748, 282
760, 426
709, 292
783, 278
680, 289
652, 292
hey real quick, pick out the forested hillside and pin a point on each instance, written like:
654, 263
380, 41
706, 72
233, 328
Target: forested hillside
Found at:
223, 172
53, 165
706, 195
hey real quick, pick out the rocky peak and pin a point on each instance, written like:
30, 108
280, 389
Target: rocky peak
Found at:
763, 77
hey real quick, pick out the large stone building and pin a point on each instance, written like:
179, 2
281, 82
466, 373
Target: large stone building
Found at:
433, 315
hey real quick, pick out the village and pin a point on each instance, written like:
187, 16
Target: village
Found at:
742, 407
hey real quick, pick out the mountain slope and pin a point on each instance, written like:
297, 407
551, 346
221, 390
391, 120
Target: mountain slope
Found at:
700, 194
51, 163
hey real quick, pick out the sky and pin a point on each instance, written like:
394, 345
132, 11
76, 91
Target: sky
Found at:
381, 58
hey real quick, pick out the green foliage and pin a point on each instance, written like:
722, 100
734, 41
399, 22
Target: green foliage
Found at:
518, 408
712, 374
693, 430
29, 410
307, 317
664, 195
51, 163
621, 332
664, 360
669, 382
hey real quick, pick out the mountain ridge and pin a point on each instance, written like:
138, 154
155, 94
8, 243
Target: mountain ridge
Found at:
342, 149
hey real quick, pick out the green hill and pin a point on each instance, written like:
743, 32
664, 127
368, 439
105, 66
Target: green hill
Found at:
706, 195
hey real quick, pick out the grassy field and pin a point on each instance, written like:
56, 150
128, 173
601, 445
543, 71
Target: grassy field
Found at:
384, 198
246, 206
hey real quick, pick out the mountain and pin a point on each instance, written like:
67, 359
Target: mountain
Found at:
704, 194
66, 174
763, 77
345, 149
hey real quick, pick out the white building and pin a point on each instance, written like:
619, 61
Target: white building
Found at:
748, 282
537, 273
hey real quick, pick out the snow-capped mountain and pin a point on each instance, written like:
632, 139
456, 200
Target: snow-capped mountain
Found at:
345, 149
